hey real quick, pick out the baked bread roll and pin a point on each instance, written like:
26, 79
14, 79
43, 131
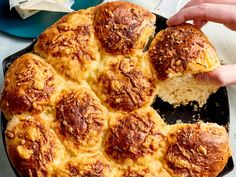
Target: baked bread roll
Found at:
123, 28
32, 87
124, 83
33, 147
80, 103
95, 165
80, 119
196, 150
70, 45
176, 54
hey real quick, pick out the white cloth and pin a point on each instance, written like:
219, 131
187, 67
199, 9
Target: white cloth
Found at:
26, 8
48, 5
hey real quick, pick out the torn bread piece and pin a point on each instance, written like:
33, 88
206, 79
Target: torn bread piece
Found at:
176, 55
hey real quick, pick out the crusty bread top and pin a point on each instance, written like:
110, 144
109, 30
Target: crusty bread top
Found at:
181, 49
29, 84
193, 150
69, 45
134, 135
121, 27
124, 83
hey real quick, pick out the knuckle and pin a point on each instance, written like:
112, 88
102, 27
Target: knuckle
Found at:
200, 1
203, 10
203, 6
197, 2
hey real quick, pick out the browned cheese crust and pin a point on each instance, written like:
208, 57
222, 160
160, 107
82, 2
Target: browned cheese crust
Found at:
91, 166
181, 49
33, 148
125, 84
199, 150
28, 86
69, 44
122, 27
80, 119
134, 135
139, 172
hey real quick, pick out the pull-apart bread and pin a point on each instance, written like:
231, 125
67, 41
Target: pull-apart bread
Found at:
79, 104
176, 54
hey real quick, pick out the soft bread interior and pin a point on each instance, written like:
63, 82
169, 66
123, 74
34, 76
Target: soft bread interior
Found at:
183, 89
176, 54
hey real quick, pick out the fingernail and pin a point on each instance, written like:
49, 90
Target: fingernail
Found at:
168, 22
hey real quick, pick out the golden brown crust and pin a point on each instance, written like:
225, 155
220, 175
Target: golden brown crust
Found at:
91, 166
181, 49
140, 172
134, 135
32, 147
28, 86
198, 150
119, 26
80, 119
69, 45
125, 84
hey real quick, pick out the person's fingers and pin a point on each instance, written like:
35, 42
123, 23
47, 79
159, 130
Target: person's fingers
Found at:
197, 2
219, 13
199, 23
211, 78
231, 26
222, 76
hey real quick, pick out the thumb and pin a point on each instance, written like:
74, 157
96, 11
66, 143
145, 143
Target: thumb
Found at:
222, 76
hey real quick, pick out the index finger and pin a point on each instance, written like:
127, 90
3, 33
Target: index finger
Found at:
219, 13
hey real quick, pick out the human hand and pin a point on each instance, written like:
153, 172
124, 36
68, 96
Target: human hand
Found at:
202, 11
222, 76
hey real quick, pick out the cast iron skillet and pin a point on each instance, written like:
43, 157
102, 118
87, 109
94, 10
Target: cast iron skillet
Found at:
216, 110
